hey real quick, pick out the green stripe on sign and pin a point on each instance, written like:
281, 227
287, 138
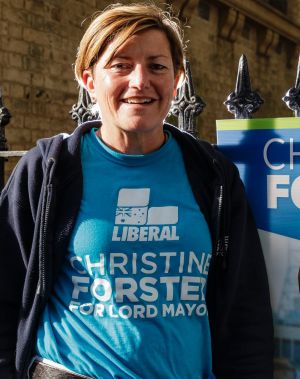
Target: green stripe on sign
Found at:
259, 123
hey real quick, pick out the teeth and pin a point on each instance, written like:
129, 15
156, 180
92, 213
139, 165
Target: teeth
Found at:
137, 101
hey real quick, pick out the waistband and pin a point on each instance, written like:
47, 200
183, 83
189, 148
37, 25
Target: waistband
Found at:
45, 370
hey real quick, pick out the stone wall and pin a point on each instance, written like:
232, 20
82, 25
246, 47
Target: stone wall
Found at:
38, 42
294, 11
215, 57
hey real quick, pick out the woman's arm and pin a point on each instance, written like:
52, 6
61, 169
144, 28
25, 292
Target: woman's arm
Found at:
245, 326
17, 212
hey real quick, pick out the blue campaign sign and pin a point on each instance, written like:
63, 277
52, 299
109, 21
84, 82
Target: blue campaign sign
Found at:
267, 153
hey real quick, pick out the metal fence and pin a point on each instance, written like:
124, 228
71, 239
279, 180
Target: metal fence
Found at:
242, 103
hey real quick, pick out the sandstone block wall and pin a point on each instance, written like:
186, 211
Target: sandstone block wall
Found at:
215, 59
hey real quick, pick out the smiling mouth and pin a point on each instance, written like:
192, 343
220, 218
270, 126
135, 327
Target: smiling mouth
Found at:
135, 100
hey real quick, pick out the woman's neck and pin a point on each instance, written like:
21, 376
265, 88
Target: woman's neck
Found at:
132, 142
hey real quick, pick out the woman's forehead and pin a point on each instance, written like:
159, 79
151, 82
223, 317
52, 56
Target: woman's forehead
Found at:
153, 43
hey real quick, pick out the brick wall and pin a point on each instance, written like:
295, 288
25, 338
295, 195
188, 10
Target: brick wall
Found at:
38, 42
38, 45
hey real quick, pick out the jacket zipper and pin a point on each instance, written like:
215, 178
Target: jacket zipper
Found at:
44, 226
219, 250
43, 240
42, 284
222, 239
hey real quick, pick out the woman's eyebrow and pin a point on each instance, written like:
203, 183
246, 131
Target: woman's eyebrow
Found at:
158, 56
120, 56
123, 56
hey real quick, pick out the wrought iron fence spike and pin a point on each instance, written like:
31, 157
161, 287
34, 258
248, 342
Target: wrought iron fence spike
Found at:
187, 106
4, 120
189, 82
4, 115
82, 111
297, 82
243, 101
292, 97
243, 82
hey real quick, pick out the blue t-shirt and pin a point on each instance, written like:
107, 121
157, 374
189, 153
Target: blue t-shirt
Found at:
129, 301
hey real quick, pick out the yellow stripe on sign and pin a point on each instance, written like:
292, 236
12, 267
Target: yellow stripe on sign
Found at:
259, 123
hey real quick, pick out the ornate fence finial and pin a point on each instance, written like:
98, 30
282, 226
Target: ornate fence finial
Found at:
292, 97
186, 105
4, 112
4, 120
243, 101
82, 111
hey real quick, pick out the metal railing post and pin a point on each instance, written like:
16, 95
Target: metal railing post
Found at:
186, 105
83, 110
243, 101
292, 97
4, 120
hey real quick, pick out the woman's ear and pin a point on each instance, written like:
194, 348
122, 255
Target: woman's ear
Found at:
88, 82
179, 79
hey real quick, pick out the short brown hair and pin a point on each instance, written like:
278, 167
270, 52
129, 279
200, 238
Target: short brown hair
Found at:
117, 23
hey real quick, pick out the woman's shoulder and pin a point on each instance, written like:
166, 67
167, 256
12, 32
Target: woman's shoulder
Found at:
196, 148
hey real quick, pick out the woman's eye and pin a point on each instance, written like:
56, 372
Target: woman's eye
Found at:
157, 67
120, 66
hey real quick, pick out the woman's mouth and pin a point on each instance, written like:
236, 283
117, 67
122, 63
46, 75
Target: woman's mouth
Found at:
138, 100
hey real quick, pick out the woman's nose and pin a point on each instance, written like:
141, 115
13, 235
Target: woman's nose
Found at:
139, 77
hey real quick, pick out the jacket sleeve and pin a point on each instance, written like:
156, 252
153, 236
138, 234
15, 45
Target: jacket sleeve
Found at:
17, 216
244, 332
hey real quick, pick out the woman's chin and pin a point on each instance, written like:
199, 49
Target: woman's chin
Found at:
141, 126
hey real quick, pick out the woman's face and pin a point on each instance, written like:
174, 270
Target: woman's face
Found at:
135, 89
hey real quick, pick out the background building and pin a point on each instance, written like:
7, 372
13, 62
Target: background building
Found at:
39, 39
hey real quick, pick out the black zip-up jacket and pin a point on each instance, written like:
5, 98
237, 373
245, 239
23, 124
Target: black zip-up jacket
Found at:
38, 208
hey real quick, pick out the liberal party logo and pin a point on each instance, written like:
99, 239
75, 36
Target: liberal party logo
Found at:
136, 221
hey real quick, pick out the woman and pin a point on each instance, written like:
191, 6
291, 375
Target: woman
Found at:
133, 251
